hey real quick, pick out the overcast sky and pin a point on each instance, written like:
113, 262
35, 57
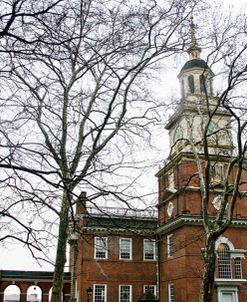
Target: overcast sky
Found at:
19, 258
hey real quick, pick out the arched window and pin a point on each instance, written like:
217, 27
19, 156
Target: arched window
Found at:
34, 294
224, 261
191, 84
12, 293
229, 259
203, 84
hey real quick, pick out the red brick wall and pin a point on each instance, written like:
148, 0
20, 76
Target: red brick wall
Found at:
112, 271
185, 268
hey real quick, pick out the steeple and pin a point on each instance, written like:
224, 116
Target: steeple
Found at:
195, 76
194, 51
186, 124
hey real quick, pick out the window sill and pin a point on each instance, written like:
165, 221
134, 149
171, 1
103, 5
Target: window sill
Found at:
219, 281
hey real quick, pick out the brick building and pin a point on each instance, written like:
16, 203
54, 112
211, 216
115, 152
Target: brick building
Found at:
180, 232
116, 254
122, 254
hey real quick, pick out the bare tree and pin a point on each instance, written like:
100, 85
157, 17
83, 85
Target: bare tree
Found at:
23, 29
216, 138
225, 129
232, 185
23, 24
83, 97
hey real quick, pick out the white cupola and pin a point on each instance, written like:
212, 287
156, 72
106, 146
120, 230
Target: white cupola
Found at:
195, 76
187, 125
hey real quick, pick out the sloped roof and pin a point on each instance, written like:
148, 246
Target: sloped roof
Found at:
195, 63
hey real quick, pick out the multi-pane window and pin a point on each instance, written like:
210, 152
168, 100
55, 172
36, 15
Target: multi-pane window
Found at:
99, 293
149, 249
224, 261
170, 245
100, 248
125, 293
125, 248
171, 292
150, 289
238, 268
217, 170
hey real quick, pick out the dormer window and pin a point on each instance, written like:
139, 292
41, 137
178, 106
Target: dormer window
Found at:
191, 84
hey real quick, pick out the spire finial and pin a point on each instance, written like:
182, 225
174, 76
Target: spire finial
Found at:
192, 27
194, 51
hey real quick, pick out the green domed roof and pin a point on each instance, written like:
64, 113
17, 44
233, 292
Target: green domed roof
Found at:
195, 63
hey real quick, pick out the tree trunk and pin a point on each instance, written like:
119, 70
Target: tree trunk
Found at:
73, 269
58, 275
209, 269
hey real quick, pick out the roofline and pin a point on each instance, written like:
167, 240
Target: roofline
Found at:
184, 106
15, 275
195, 220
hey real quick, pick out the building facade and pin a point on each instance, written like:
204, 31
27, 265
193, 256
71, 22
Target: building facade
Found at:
121, 256
117, 254
181, 235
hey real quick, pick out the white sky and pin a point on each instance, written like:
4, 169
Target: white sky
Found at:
17, 257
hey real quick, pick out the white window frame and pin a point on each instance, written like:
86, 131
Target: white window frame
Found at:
146, 287
119, 292
120, 248
171, 292
217, 170
227, 290
170, 246
224, 262
98, 247
145, 250
238, 270
234, 254
105, 292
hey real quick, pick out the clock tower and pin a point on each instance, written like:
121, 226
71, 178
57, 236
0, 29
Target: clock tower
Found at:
197, 121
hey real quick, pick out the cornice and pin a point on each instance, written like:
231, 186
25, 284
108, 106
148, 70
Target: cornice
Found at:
171, 194
177, 158
116, 231
189, 106
194, 220
178, 222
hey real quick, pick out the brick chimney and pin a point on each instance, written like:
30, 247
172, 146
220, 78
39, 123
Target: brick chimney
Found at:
81, 203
